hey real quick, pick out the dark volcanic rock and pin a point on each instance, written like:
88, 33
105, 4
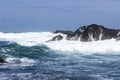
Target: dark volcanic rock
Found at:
91, 32
118, 36
56, 38
79, 34
2, 60
86, 33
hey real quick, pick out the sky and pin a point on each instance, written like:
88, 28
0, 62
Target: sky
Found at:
51, 15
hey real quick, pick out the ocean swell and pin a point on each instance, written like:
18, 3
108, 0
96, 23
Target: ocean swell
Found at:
30, 57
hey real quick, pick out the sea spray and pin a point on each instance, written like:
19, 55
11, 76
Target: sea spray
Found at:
40, 38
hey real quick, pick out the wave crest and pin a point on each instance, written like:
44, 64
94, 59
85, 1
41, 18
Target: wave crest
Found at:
38, 38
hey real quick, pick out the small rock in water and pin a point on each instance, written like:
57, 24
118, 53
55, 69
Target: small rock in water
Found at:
2, 60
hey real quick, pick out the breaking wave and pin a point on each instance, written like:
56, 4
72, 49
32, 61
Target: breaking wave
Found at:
39, 38
30, 57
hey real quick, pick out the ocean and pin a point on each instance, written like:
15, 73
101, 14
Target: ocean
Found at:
30, 57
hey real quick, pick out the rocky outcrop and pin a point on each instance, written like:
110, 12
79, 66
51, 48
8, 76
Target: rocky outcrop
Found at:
91, 32
2, 60
56, 38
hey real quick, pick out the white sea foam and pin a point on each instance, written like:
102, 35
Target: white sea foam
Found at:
38, 38
23, 60
28, 38
86, 47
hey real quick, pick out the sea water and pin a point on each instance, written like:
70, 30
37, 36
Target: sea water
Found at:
30, 57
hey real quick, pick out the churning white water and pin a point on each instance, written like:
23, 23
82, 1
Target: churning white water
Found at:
30, 59
40, 38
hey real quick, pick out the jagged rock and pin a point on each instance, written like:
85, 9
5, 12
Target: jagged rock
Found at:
56, 38
118, 36
79, 34
91, 32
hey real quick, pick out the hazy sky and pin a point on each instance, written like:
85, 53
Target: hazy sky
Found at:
49, 15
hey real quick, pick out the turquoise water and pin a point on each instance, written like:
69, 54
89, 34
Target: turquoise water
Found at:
30, 57
42, 63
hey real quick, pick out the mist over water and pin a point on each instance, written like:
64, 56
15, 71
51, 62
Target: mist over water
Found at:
30, 57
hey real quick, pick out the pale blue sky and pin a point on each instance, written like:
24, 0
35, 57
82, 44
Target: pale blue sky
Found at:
49, 15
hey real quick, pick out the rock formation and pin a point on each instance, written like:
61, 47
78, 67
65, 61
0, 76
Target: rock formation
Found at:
2, 60
91, 32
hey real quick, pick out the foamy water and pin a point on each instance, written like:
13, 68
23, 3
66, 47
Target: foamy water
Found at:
32, 58
40, 38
